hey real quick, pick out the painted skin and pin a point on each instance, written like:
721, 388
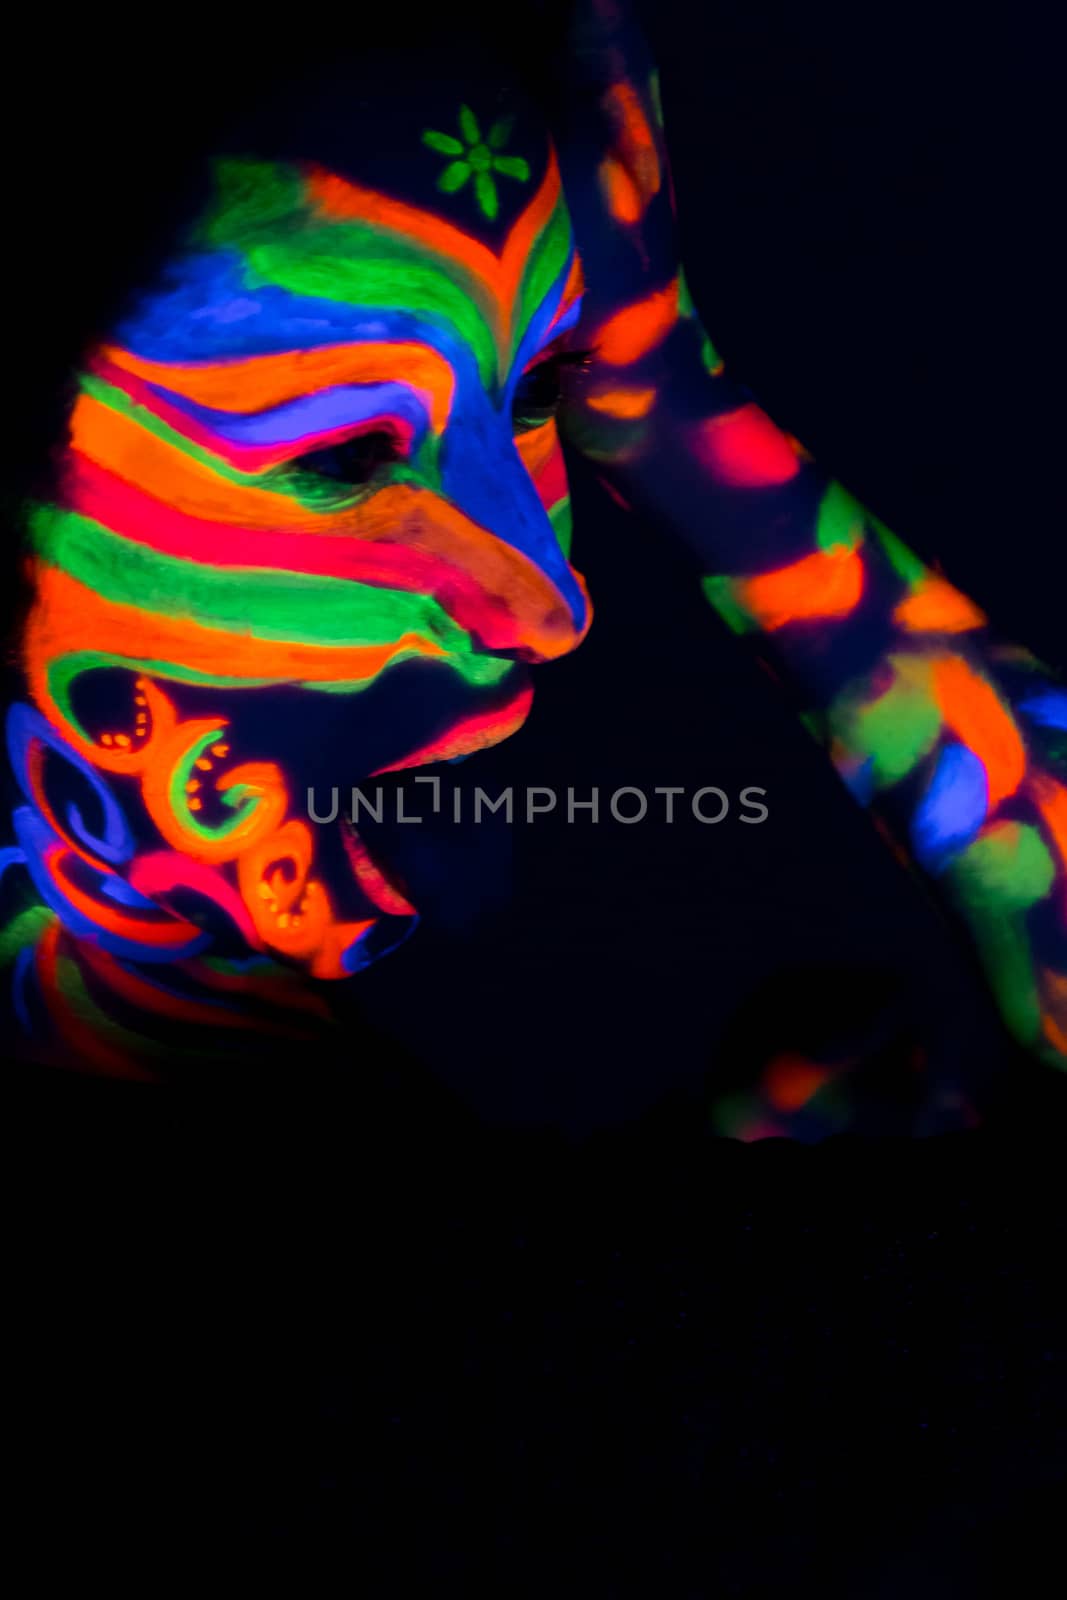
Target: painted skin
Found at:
955, 740
310, 523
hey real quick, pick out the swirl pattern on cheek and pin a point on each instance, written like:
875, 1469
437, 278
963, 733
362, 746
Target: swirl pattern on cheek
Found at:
109, 909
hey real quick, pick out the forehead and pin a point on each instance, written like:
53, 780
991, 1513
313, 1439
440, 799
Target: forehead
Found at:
417, 208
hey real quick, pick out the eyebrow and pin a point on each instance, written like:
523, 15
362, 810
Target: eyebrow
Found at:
259, 383
310, 419
253, 442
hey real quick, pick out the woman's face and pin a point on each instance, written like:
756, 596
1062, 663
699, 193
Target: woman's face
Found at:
312, 524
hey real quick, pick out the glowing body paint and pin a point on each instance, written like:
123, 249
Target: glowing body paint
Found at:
194, 549
292, 468
953, 739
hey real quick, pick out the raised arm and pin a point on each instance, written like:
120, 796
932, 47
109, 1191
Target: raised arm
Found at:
955, 739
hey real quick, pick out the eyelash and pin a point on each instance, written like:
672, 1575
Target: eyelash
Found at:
355, 460
528, 411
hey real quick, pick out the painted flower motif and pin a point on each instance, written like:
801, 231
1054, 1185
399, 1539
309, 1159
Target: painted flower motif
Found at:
477, 157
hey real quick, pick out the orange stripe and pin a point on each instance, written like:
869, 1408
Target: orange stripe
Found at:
633, 332
537, 446
259, 382
936, 607
621, 194
400, 514
574, 287
635, 139
69, 617
121, 445
404, 514
1056, 984
627, 404
972, 709
497, 277
790, 1081
419, 520
1052, 803
828, 583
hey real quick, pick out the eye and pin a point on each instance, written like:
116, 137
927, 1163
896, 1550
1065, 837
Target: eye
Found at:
540, 389
353, 460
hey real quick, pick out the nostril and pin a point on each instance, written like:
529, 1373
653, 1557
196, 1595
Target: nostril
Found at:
568, 623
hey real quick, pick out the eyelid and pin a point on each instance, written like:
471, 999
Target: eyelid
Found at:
401, 438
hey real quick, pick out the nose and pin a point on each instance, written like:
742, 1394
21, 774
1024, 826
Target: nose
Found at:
502, 533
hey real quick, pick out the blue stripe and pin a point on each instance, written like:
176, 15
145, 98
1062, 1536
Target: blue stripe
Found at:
326, 411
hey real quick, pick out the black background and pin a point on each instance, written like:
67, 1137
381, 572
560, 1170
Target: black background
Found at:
498, 1314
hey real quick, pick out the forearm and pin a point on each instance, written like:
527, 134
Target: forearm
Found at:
957, 740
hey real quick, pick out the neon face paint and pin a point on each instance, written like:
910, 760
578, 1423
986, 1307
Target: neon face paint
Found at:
303, 461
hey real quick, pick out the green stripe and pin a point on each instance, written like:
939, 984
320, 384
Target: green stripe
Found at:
548, 258
117, 399
480, 671
721, 593
905, 562
289, 607
562, 524
250, 197
354, 264
24, 929
1006, 869
237, 799
1009, 962
897, 729
263, 211
840, 521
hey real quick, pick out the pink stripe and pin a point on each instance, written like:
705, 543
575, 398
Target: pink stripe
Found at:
551, 481
94, 492
162, 871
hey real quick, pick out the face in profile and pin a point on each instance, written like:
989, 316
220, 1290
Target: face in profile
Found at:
310, 524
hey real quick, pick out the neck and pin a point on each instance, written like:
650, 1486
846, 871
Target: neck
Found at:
77, 1005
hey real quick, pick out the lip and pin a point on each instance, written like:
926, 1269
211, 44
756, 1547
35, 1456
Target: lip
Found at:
478, 727
379, 886
474, 730
477, 731
415, 713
